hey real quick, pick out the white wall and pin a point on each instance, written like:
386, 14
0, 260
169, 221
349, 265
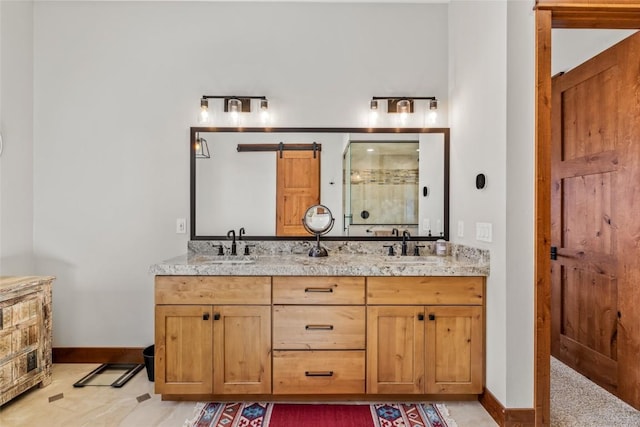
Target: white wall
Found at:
520, 232
491, 118
117, 86
16, 127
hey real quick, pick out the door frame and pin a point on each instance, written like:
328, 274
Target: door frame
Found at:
549, 14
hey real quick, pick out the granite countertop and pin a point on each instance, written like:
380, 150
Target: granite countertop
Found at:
333, 265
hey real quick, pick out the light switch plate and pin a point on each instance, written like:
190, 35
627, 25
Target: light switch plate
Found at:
181, 226
460, 228
484, 232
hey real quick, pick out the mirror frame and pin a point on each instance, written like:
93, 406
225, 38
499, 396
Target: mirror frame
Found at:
192, 177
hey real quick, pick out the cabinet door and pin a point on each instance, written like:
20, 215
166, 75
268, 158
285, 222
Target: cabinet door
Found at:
395, 349
242, 350
454, 349
183, 362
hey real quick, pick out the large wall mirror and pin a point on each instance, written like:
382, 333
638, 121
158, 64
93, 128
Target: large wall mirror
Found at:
374, 181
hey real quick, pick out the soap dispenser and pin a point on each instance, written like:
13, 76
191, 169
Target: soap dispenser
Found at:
441, 247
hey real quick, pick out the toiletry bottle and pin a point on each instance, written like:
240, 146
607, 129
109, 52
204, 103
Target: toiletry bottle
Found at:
441, 247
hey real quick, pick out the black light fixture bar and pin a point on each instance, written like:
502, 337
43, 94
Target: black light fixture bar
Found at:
408, 98
393, 101
245, 101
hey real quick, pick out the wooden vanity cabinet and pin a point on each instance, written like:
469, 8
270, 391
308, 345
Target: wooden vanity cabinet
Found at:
319, 335
428, 337
213, 335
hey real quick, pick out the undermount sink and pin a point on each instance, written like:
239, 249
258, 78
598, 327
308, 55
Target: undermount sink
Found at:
222, 260
413, 260
230, 261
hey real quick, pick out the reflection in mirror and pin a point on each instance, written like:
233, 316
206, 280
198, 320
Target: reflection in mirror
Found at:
233, 189
318, 220
395, 184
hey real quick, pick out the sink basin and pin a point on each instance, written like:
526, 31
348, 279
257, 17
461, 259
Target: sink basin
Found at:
229, 261
413, 260
221, 260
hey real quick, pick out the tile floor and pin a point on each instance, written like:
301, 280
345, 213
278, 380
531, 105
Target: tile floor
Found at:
110, 407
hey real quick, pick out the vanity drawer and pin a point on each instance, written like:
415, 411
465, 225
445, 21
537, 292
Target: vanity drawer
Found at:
318, 290
425, 290
299, 327
318, 372
245, 290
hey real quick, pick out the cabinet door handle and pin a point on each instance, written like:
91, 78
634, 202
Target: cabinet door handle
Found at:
432, 317
318, 374
216, 316
421, 317
205, 316
319, 327
323, 290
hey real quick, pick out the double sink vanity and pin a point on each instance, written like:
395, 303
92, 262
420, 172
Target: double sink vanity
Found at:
286, 321
282, 325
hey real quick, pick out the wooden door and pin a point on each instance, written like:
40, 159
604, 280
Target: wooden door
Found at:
298, 188
183, 344
587, 198
454, 349
242, 350
395, 349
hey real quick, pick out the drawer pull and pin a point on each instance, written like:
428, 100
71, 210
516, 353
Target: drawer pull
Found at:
323, 290
319, 327
421, 317
205, 316
318, 374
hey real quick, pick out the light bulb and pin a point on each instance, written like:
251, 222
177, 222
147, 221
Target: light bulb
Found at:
432, 116
204, 116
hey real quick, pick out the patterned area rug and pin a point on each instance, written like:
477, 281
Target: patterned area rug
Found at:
214, 414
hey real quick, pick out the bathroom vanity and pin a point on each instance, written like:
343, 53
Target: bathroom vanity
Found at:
343, 327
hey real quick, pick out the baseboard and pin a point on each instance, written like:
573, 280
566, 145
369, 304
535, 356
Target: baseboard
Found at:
97, 355
507, 417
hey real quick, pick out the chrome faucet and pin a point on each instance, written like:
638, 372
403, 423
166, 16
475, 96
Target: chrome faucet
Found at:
232, 234
405, 236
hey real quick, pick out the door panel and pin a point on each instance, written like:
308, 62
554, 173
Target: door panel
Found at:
183, 362
242, 350
298, 188
395, 349
586, 200
454, 349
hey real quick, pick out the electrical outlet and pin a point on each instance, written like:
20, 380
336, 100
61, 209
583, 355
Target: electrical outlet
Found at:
460, 228
181, 226
484, 232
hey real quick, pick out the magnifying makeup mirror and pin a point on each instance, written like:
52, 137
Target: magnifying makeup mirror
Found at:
318, 220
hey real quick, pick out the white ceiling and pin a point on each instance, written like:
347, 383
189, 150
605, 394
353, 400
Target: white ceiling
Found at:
290, 1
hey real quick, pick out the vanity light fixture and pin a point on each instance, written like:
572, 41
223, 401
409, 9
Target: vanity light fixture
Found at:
231, 104
201, 148
403, 104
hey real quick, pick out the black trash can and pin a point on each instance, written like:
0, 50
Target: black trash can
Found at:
148, 354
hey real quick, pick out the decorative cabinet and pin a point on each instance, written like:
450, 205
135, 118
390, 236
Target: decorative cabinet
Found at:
213, 335
25, 334
436, 348
319, 335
